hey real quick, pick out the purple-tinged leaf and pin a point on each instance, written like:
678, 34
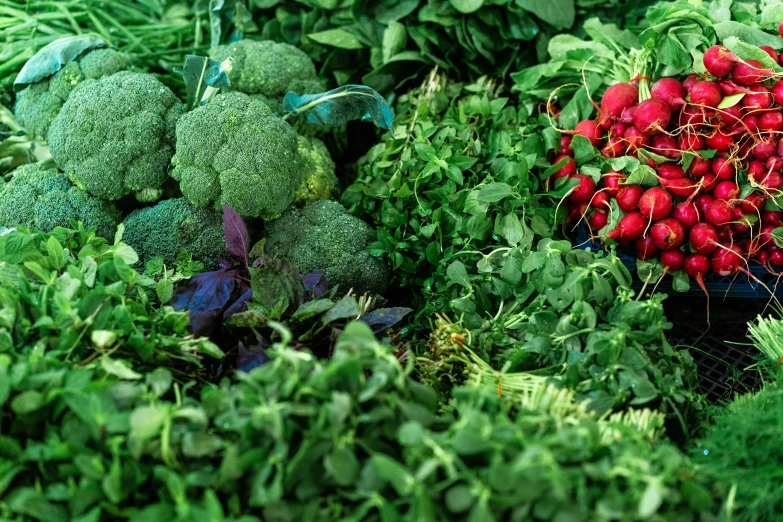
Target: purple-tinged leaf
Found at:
240, 305
384, 318
205, 296
251, 357
236, 234
315, 284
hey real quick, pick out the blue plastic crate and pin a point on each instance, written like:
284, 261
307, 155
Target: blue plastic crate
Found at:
737, 286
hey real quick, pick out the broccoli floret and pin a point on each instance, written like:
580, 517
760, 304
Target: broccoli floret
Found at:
268, 68
45, 199
174, 225
323, 236
234, 151
318, 178
115, 135
39, 103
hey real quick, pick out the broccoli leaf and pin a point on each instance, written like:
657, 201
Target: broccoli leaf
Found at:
203, 78
229, 12
52, 57
341, 105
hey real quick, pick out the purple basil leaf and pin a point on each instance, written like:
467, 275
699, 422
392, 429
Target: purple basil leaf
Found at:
384, 318
205, 296
236, 234
240, 305
251, 357
315, 284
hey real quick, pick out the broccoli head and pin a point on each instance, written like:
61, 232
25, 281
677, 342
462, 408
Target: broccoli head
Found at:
234, 151
318, 178
39, 103
174, 225
323, 236
115, 135
45, 199
268, 68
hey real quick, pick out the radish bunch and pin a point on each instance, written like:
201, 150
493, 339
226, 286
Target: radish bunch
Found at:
713, 145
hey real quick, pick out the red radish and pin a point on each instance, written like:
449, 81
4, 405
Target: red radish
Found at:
670, 171
724, 234
756, 170
590, 130
673, 259
619, 97
703, 238
709, 182
613, 182
670, 91
727, 260
614, 147
628, 197
693, 116
706, 94
771, 217
635, 138
770, 51
759, 99
600, 200
652, 116
750, 123
771, 121
598, 220
703, 202
655, 203
724, 168
728, 87
718, 213
645, 248
772, 181
697, 266
568, 169
666, 146
690, 81
763, 257
776, 259
730, 116
719, 61
630, 227
680, 187
584, 190
719, 141
699, 167
667, 233
690, 141
780, 29
750, 72
686, 213
576, 212
777, 92
774, 163
753, 203
604, 120
741, 223
617, 130
627, 116
727, 191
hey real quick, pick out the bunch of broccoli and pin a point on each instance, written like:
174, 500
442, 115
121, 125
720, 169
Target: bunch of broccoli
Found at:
39, 103
324, 236
45, 199
115, 133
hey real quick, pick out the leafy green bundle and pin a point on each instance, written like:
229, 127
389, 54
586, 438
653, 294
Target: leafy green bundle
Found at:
300, 439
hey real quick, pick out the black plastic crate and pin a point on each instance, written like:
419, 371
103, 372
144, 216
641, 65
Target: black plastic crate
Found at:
736, 286
725, 358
